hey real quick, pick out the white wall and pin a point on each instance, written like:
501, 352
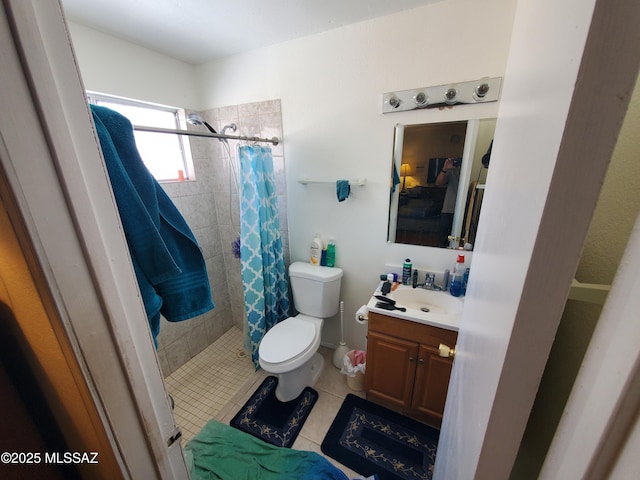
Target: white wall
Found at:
114, 66
331, 88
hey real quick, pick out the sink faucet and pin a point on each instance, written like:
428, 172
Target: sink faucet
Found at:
429, 282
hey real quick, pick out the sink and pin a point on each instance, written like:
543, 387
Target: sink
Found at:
428, 301
429, 307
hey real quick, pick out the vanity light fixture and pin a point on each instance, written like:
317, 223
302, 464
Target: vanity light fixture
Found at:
463, 93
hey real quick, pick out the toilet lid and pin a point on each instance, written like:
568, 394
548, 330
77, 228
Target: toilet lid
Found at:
287, 340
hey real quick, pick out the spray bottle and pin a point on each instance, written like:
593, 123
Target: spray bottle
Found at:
457, 277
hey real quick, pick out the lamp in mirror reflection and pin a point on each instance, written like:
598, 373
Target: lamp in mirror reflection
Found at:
405, 169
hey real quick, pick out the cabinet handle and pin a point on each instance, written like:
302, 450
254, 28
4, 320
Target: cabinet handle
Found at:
411, 359
421, 361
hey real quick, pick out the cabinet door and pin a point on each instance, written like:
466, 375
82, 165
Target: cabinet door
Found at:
390, 369
432, 383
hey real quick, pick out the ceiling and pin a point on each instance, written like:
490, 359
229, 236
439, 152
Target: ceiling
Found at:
198, 31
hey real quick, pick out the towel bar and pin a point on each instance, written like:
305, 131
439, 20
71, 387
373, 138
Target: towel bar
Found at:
360, 182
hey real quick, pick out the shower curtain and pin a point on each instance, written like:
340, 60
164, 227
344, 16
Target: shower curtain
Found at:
266, 290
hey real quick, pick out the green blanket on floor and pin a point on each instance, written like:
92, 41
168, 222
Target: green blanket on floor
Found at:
222, 452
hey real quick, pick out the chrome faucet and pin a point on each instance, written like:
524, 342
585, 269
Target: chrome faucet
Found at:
430, 282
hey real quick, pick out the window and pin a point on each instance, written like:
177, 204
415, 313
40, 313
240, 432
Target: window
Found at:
167, 156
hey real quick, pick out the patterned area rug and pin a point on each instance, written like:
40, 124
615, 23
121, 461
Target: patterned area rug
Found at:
269, 419
371, 439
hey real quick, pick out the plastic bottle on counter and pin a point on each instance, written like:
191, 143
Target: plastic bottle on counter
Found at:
316, 250
457, 277
446, 277
465, 280
390, 277
331, 252
406, 271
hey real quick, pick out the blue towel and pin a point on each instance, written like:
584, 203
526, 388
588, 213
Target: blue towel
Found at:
166, 257
343, 189
396, 179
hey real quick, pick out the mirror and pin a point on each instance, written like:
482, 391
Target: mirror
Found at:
431, 208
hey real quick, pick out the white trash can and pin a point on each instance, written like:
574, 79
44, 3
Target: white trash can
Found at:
354, 368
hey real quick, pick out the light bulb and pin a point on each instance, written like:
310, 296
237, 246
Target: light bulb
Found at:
394, 102
421, 99
450, 96
481, 91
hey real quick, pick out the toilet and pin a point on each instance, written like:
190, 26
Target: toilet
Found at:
290, 349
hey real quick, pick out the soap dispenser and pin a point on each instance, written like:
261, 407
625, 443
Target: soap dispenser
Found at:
316, 250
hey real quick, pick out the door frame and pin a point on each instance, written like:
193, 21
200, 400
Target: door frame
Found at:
58, 188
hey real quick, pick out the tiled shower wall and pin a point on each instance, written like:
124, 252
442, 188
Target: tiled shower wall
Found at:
209, 204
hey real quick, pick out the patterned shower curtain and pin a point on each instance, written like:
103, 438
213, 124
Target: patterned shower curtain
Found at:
264, 280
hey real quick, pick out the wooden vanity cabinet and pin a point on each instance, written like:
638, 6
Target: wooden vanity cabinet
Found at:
404, 369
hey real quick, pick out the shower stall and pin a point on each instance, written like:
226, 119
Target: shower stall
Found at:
210, 205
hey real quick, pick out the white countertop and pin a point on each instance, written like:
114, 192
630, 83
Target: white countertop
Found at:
445, 321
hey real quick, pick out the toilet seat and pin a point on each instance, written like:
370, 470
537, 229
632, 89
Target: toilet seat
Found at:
288, 340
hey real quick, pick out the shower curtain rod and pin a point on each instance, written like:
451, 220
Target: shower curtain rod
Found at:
274, 140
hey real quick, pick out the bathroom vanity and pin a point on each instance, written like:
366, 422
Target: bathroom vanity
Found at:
406, 370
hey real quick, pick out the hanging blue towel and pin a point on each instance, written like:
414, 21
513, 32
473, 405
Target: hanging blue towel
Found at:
166, 257
343, 189
396, 179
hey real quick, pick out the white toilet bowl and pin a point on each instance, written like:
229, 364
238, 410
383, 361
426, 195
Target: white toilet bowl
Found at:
289, 350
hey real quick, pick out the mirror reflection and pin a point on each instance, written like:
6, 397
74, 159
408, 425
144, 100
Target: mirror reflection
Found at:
437, 182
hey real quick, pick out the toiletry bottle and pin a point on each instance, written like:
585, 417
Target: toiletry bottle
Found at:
406, 271
331, 253
456, 279
390, 277
465, 280
316, 250
445, 279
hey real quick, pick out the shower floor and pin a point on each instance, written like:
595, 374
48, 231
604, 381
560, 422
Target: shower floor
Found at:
204, 385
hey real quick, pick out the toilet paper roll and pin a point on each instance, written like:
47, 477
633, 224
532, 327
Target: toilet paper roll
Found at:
362, 315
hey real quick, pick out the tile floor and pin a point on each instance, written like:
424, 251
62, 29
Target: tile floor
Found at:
204, 385
217, 383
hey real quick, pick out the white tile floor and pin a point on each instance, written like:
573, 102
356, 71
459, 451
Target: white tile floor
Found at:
204, 385
217, 383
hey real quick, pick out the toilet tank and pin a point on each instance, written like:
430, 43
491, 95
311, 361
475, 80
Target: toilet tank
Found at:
316, 290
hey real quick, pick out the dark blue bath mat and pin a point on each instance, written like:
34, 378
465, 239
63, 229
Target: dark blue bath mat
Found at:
371, 439
269, 419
